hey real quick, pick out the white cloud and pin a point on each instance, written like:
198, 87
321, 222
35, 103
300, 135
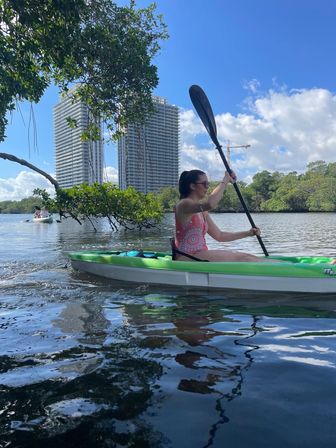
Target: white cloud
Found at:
110, 174
205, 159
22, 186
190, 126
286, 131
252, 85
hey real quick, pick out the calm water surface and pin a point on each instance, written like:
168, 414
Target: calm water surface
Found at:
87, 362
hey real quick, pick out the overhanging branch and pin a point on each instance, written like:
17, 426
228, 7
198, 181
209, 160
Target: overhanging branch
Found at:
12, 158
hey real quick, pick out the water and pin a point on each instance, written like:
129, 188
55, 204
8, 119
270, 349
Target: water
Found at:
88, 362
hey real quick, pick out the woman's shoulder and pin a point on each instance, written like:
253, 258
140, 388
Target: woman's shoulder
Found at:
184, 203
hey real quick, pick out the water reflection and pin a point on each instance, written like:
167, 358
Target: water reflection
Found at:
87, 319
211, 365
91, 394
132, 368
111, 370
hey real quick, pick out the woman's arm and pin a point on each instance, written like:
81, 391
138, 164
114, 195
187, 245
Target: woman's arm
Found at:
188, 206
218, 235
216, 195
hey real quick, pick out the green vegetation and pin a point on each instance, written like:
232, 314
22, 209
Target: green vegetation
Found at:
312, 191
168, 197
26, 205
123, 208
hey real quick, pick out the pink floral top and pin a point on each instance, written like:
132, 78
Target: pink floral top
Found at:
190, 237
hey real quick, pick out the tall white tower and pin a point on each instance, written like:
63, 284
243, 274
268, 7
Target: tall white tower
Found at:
77, 162
148, 154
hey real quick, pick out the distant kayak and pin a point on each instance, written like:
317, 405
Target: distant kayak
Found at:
44, 219
292, 274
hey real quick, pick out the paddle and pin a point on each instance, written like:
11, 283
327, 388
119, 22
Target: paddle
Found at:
204, 110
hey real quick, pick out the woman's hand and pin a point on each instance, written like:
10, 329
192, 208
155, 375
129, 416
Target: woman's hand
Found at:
229, 178
254, 231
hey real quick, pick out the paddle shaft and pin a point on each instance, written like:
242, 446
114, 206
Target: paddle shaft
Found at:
249, 217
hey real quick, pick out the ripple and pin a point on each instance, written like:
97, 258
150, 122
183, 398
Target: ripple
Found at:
310, 361
45, 370
75, 408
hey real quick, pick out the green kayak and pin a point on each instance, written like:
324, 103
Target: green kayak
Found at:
297, 274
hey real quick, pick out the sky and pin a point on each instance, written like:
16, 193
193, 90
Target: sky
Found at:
268, 68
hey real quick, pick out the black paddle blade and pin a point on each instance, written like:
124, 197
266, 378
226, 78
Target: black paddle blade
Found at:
204, 110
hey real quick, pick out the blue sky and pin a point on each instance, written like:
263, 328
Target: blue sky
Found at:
268, 68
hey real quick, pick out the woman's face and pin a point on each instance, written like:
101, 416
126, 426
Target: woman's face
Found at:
201, 185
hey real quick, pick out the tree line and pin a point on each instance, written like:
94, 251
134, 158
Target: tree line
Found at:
312, 191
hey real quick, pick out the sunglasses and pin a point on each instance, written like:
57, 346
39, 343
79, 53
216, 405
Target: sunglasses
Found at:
205, 184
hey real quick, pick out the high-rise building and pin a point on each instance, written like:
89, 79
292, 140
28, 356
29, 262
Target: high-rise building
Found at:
77, 161
148, 154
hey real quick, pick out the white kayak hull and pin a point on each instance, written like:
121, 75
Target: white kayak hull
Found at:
207, 279
45, 219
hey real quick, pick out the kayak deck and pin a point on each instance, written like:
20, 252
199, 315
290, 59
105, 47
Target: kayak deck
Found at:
299, 274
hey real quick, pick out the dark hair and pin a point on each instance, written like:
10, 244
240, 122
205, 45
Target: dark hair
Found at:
187, 178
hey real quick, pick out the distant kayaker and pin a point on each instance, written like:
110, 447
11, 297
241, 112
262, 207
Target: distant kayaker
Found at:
193, 221
45, 212
37, 213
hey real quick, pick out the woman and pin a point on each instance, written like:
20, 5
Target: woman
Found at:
193, 221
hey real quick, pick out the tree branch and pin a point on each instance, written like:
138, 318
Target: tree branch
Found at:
12, 158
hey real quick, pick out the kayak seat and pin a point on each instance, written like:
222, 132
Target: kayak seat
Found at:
175, 251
